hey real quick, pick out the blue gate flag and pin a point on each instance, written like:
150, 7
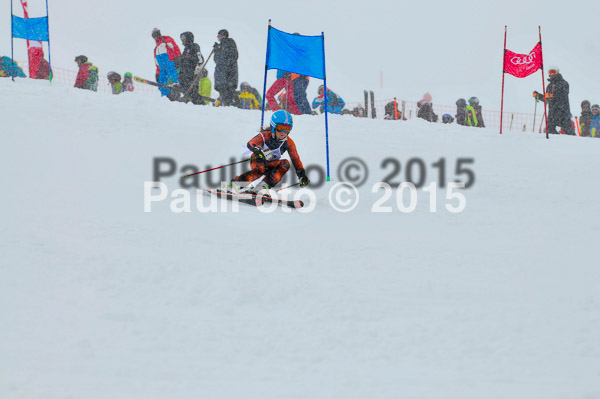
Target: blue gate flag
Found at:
304, 55
30, 28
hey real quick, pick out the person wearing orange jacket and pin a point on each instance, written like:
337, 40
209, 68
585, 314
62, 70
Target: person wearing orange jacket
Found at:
267, 148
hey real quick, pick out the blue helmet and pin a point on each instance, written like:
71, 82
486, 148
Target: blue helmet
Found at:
281, 117
447, 118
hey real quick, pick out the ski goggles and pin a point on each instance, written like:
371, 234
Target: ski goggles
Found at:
283, 128
552, 72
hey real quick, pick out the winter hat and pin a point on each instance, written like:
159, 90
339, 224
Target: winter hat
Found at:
113, 76
156, 33
81, 58
223, 32
187, 37
585, 102
461, 102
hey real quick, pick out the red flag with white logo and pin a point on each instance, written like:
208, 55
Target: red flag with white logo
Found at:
522, 65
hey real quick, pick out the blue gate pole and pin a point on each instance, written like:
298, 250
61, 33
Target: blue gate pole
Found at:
12, 55
262, 115
49, 58
325, 97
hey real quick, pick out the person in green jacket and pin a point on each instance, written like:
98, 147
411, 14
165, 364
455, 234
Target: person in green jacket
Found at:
92, 80
473, 114
205, 86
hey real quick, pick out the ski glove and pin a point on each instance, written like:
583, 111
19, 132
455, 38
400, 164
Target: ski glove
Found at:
216, 46
301, 173
259, 155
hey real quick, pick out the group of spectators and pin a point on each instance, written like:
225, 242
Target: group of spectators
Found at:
182, 76
589, 120
467, 113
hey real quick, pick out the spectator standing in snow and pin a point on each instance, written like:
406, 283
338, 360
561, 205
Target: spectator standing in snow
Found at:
585, 119
84, 79
226, 69
128, 82
447, 118
461, 111
285, 85
9, 67
165, 52
247, 99
473, 113
557, 97
335, 103
425, 111
187, 64
300, 84
115, 82
595, 122
391, 112
204, 87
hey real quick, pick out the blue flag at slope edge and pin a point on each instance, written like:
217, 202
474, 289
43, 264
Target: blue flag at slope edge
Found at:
295, 53
30, 28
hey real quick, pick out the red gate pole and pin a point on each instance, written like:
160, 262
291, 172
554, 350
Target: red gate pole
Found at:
543, 82
502, 101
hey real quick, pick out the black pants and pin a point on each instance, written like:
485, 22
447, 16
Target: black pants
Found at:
228, 96
564, 123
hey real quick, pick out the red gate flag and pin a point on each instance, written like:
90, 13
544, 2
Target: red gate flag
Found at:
522, 65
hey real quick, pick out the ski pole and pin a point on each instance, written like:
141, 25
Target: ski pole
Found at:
219, 167
542, 123
197, 78
534, 115
577, 123
292, 185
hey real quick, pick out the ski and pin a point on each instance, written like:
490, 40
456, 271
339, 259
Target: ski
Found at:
254, 199
366, 104
180, 90
373, 112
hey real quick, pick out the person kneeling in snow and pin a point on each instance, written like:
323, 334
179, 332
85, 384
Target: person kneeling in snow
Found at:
267, 148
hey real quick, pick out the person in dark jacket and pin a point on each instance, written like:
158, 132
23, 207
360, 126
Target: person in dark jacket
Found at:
300, 84
226, 70
186, 63
392, 112
557, 97
425, 111
461, 110
585, 119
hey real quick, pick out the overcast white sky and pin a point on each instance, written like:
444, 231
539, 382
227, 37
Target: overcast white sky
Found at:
450, 49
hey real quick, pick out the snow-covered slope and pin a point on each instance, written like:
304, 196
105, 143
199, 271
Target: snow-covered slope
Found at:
99, 299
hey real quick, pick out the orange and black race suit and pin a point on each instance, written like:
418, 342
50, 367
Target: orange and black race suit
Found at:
275, 169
